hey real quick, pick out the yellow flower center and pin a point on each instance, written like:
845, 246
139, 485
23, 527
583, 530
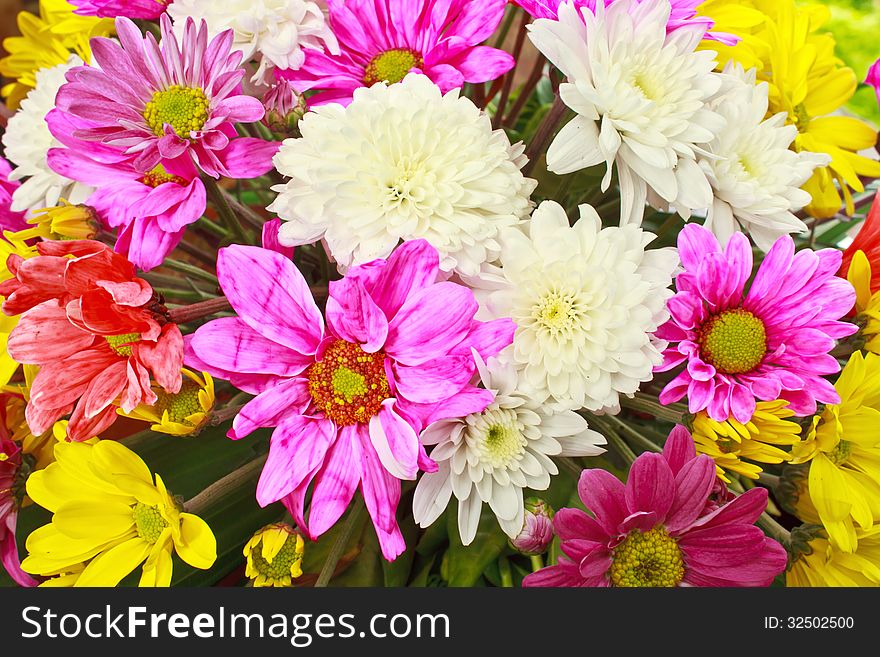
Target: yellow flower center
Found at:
183, 108
502, 443
841, 452
734, 342
392, 66
121, 344
182, 404
649, 559
279, 568
4, 456
349, 384
159, 176
149, 522
557, 312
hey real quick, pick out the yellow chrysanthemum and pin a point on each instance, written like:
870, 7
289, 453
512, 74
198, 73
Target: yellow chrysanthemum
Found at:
867, 304
181, 414
809, 83
827, 566
14, 243
274, 555
729, 442
843, 453
63, 222
111, 517
47, 40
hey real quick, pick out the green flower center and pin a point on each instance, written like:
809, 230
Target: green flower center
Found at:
121, 344
502, 443
649, 559
159, 176
281, 564
183, 108
348, 384
841, 452
801, 118
149, 522
392, 66
181, 404
734, 342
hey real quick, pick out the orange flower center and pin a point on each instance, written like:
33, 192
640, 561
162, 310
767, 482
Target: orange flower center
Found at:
349, 384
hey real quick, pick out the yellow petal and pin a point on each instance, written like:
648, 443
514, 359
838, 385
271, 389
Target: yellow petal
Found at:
197, 545
158, 569
112, 458
859, 276
108, 568
89, 521
830, 495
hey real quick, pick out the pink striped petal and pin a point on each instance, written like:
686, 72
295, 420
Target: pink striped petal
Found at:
574, 523
412, 266
270, 294
693, 484
679, 448
298, 448
381, 490
435, 380
354, 316
336, 482
430, 323
395, 442
270, 408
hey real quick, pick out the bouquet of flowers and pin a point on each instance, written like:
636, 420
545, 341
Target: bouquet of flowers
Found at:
437, 293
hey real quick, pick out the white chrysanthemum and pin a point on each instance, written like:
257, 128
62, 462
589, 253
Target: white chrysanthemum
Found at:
27, 141
492, 456
402, 162
274, 32
640, 96
586, 301
754, 174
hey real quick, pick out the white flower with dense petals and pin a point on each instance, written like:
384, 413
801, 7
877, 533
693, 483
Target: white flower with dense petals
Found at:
586, 301
402, 162
273, 31
27, 141
490, 457
640, 97
756, 177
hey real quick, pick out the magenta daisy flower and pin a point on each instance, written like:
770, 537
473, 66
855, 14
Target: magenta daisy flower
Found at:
348, 401
658, 531
383, 40
112, 8
768, 342
684, 13
9, 220
165, 102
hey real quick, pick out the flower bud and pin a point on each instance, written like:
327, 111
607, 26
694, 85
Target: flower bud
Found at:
284, 109
537, 532
274, 555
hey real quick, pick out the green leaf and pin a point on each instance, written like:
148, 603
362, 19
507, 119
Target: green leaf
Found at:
464, 565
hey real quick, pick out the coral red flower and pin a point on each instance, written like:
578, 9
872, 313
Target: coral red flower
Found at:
868, 241
97, 332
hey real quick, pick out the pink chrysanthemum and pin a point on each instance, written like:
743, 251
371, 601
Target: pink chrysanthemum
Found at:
348, 401
684, 13
169, 101
658, 529
383, 40
9, 220
770, 342
112, 8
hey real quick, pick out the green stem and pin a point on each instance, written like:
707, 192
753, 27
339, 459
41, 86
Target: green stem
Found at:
192, 270
537, 563
509, 15
201, 502
338, 549
211, 227
646, 404
614, 440
505, 572
774, 530
639, 439
569, 464
218, 198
